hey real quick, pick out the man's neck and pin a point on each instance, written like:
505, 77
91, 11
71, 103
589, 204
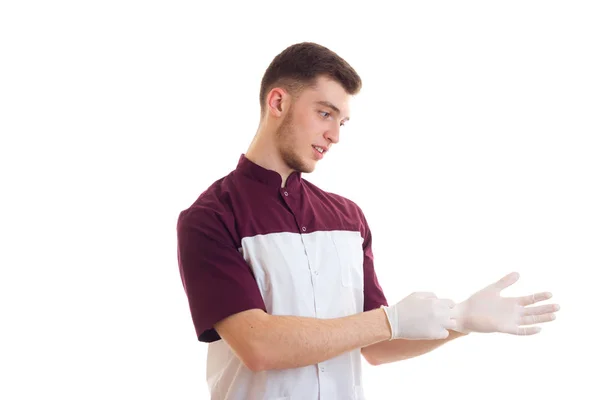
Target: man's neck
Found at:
263, 153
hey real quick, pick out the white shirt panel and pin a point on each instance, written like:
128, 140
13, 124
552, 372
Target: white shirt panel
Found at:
318, 275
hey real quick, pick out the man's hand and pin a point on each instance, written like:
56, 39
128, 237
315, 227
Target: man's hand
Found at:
420, 315
486, 311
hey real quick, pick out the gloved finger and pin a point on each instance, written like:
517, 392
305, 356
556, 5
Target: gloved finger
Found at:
447, 303
523, 330
455, 312
425, 295
533, 298
529, 330
535, 319
442, 334
451, 325
506, 281
539, 310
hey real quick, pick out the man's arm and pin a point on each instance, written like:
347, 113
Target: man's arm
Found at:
263, 341
402, 349
485, 311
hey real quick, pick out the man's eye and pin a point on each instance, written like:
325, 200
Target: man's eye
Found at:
325, 114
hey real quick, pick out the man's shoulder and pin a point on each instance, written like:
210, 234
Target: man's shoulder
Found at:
211, 202
343, 202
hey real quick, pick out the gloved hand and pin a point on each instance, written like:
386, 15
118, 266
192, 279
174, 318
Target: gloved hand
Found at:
420, 315
486, 311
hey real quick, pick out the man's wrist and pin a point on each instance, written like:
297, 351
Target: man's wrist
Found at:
459, 314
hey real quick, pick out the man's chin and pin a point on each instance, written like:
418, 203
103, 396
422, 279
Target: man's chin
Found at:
308, 167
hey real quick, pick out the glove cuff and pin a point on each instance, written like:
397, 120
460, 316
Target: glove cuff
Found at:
387, 316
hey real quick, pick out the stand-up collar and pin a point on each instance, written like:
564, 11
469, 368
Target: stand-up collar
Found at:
268, 177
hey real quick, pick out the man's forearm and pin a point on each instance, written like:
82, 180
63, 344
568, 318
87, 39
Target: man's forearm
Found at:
291, 342
402, 349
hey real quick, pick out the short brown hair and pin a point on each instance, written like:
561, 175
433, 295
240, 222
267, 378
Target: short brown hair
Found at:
298, 67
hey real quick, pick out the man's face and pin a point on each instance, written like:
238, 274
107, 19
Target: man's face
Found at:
313, 121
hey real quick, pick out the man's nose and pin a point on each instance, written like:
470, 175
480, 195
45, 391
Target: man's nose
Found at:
333, 135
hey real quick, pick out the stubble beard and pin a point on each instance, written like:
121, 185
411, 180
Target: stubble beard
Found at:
287, 149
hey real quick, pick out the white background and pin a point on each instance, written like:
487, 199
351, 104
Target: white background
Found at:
473, 150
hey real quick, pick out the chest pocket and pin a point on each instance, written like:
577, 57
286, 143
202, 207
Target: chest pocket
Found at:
348, 245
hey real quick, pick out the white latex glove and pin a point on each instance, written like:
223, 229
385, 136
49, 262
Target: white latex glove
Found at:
420, 315
486, 311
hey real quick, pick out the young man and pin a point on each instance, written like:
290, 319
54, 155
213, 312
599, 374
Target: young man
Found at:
279, 273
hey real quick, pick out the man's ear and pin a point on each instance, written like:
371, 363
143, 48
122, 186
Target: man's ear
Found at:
278, 101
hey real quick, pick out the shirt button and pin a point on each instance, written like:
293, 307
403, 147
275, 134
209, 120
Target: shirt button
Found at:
286, 193
303, 229
316, 272
322, 369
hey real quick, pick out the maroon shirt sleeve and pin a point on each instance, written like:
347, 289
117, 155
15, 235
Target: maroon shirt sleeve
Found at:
373, 293
217, 280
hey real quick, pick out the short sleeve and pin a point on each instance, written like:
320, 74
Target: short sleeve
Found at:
373, 293
217, 280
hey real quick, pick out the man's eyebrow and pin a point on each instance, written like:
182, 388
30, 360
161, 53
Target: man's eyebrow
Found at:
332, 106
